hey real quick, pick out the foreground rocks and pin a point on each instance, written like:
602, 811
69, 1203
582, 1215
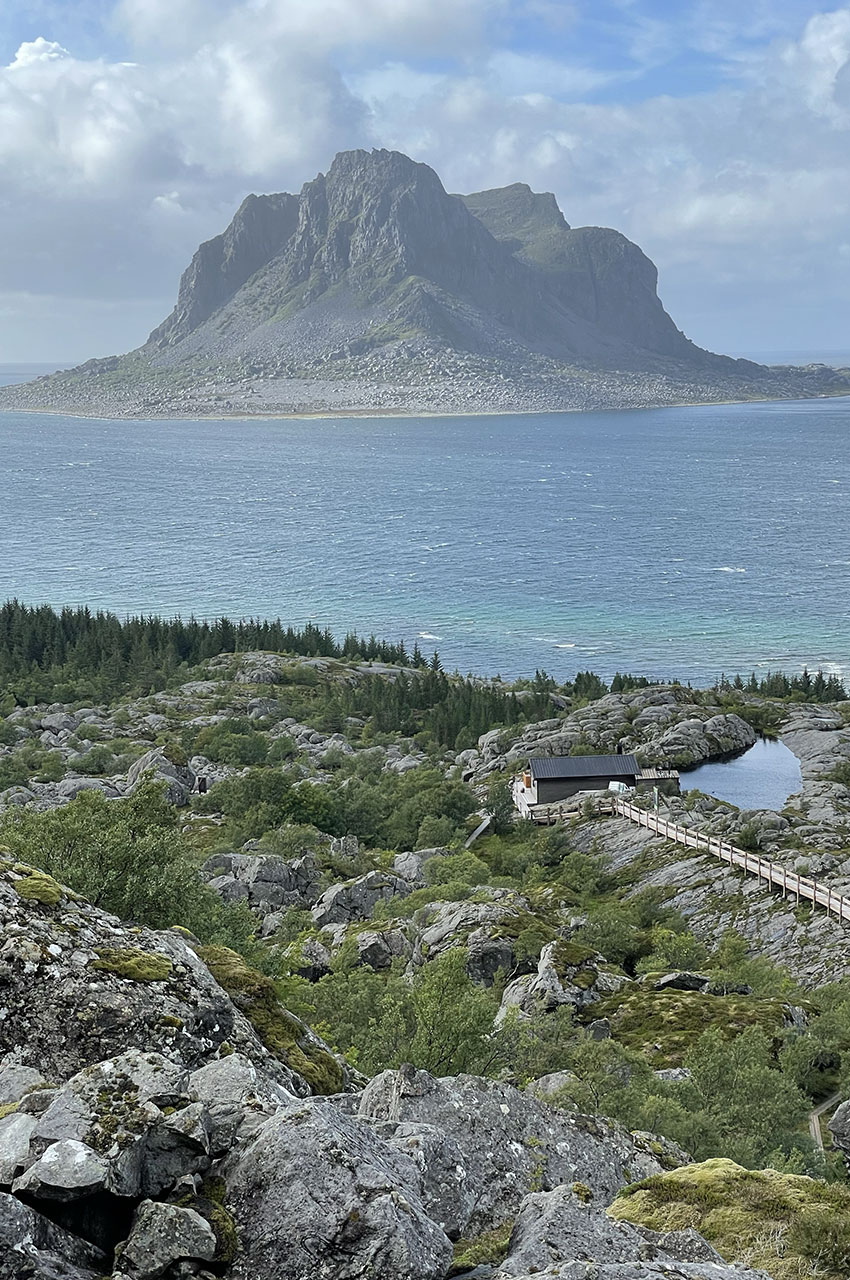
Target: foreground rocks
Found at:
76, 986
562, 1233
149, 1132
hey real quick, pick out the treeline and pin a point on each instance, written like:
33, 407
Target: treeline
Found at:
449, 711
74, 653
805, 686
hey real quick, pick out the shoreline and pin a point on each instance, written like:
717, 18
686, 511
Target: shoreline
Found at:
329, 414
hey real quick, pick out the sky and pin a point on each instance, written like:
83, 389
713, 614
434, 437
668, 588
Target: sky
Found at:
714, 133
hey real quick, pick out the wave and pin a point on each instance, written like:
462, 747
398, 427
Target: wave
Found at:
427, 635
726, 568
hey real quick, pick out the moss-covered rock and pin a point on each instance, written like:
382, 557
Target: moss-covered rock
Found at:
136, 965
211, 1206
282, 1033
795, 1228
664, 1025
37, 886
488, 1249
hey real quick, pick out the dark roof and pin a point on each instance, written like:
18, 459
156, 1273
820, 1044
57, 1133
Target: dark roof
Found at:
583, 766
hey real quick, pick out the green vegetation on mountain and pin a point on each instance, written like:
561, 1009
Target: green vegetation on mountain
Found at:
794, 1227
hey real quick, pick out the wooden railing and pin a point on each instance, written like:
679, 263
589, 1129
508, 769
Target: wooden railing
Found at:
773, 873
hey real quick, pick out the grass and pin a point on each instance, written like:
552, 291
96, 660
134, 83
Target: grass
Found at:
793, 1227
664, 1025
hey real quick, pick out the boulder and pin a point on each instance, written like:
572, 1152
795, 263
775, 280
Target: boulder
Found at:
161, 1235
488, 957
567, 973
125, 1125
266, 881
450, 924
378, 949
682, 982
356, 899
310, 959
508, 1142
237, 1100
68, 1170
179, 780
410, 865
15, 1133
566, 1233
15, 1081
34, 1248
318, 1193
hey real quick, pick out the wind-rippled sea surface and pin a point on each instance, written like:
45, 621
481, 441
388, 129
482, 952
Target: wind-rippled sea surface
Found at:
675, 542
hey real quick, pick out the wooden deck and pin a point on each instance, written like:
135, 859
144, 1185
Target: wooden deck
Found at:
772, 873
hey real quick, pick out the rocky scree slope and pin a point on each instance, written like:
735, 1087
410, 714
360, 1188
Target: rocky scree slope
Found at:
374, 288
145, 1144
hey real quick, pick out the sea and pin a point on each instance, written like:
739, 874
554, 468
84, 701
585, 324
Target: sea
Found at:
674, 543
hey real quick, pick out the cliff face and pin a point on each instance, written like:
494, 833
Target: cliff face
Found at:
593, 271
260, 228
384, 253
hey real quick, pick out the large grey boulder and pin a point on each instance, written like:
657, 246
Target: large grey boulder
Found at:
125, 1125
161, 1235
410, 865
446, 1190
565, 1233
380, 948
267, 882
356, 899
451, 924
15, 1133
68, 1170
179, 780
237, 1100
318, 1193
508, 1142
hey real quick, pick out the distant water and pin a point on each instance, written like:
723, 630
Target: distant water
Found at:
762, 778
674, 542
12, 373
838, 359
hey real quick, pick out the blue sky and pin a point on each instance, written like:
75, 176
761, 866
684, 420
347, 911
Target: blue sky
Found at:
713, 133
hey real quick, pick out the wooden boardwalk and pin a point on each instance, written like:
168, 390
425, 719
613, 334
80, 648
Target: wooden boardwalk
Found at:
803, 888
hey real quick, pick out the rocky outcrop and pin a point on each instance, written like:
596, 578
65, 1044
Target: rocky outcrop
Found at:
78, 986
178, 779
563, 1232
567, 973
356, 899
267, 883
527, 1144
318, 1193
661, 726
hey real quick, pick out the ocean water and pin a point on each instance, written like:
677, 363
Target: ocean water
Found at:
674, 543
762, 778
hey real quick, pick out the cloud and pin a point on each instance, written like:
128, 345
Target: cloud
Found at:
113, 167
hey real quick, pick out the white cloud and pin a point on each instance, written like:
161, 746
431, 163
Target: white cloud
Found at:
112, 169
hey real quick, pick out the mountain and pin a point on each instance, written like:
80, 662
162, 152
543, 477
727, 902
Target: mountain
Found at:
378, 250
375, 290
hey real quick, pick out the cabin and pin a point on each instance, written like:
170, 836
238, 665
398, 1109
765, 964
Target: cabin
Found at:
552, 778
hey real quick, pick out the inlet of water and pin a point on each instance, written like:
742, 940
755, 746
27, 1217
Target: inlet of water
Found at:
761, 778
